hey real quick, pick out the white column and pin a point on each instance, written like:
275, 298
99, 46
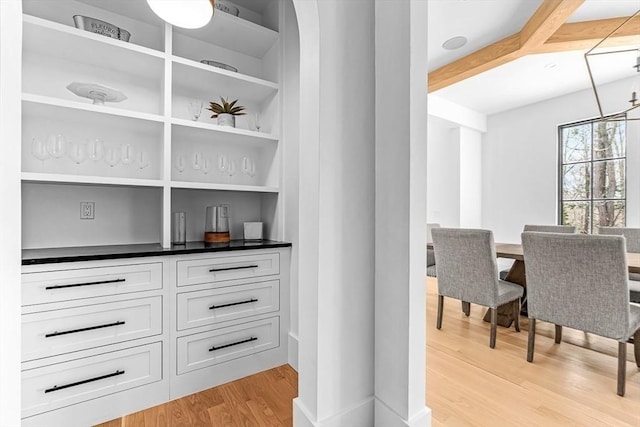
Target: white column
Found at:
336, 217
401, 156
470, 143
10, 135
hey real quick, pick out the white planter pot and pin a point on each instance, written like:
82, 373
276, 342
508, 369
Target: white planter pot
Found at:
226, 120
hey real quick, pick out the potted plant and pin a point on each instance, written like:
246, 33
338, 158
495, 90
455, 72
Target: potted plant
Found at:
226, 111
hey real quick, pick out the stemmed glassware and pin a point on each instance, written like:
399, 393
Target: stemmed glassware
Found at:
95, 149
181, 164
248, 167
195, 108
77, 152
197, 160
112, 156
206, 165
143, 160
127, 154
39, 150
223, 163
56, 145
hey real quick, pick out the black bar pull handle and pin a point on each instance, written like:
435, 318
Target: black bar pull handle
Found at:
241, 267
213, 307
89, 328
90, 380
214, 348
75, 285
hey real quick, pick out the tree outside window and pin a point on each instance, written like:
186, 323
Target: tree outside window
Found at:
592, 174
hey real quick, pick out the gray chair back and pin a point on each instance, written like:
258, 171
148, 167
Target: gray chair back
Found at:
579, 281
431, 258
631, 234
466, 261
550, 228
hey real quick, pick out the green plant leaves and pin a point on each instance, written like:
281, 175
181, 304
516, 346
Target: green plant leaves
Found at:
225, 107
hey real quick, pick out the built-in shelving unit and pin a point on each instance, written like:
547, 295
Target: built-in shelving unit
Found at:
151, 139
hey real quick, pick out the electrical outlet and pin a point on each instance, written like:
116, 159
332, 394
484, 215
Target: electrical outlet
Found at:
87, 210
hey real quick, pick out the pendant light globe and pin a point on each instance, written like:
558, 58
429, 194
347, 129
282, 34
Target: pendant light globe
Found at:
189, 14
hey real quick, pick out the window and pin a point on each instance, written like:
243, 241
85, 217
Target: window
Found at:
592, 174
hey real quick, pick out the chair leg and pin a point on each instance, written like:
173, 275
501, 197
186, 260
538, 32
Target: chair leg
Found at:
532, 339
466, 308
516, 314
622, 366
494, 324
558, 334
636, 347
440, 304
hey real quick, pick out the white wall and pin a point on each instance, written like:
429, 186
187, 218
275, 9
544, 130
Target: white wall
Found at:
470, 142
443, 173
520, 161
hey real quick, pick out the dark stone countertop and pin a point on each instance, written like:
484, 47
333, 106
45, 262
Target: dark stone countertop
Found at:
94, 253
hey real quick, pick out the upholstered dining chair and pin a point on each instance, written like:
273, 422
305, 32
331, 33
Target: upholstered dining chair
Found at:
632, 235
580, 281
467, 271
542, 228
431, 257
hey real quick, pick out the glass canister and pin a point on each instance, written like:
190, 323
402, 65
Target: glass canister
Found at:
216, 225
179, 228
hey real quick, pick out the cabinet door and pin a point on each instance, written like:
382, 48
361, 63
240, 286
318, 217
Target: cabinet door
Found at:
54, 386
63, 285
61, 331
212, 306
219, 269
206, 349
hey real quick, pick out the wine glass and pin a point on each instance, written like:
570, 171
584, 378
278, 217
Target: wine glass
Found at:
39, 150
206, 165
127, 154
256, 121
247, 166
196, 161
112, 156
223, 163
56, 145
232, 168
181, 163
77, 152
95, 149
195, 108
143, 160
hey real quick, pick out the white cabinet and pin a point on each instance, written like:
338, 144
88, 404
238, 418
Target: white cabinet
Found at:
105, 338
149, 142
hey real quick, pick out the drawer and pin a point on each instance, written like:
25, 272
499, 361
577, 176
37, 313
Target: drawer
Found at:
207, 270
53, 286
222, 345
60, 331
62, 384
233, 302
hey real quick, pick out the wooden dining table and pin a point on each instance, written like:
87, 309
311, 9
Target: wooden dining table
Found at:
516, 275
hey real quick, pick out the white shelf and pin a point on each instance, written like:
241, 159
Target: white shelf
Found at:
191, 77
63, 41
91, 180
232, 134
223, 187
234, 33
88, 106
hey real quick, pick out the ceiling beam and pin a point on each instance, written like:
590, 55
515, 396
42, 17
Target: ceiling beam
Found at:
585, 35
546, 20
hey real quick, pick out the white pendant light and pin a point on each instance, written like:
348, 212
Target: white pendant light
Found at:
183, 13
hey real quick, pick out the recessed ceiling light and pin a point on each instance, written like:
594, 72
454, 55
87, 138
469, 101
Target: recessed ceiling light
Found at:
454, 43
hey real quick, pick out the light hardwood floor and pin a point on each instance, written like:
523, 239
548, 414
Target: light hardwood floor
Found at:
468, 384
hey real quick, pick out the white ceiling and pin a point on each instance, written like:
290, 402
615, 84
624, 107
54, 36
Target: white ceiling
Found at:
529, 79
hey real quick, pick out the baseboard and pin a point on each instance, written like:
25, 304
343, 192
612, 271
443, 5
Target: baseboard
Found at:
386, 417
359, 415
293, 351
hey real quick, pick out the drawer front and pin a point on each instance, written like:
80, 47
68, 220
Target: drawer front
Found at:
60, 331
209, 270
233, 302
55, 386
222, 345
64, 285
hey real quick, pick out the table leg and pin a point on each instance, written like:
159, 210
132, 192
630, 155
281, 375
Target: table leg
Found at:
505, 311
